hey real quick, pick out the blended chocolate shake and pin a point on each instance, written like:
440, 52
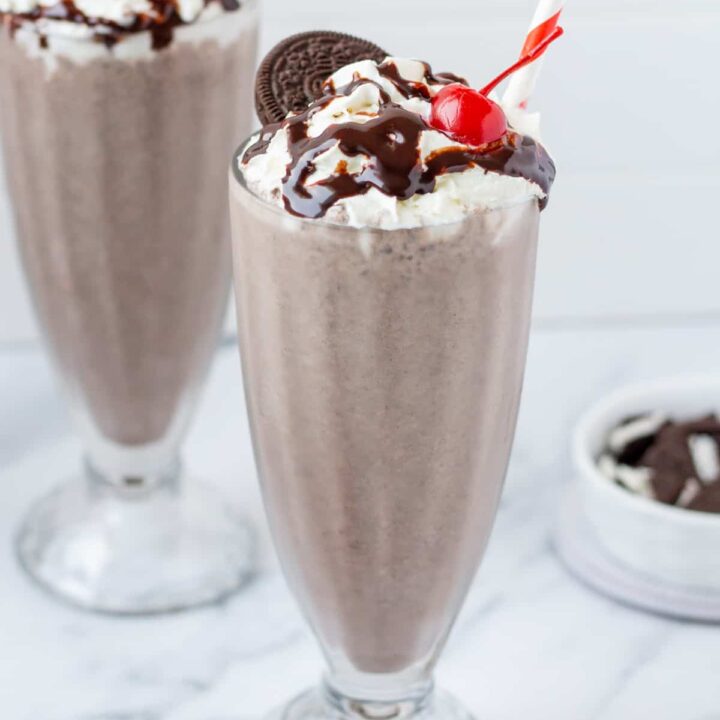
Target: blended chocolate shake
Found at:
383, 382
116, 129
384, 276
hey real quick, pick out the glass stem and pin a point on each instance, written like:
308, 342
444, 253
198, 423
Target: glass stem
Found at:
136, 479
378, 696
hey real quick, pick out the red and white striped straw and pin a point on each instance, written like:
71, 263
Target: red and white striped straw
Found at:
522, 83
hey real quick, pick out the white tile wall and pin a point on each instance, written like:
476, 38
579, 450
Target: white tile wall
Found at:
630, 100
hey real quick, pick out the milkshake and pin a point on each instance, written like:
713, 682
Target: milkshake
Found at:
116, 122
384, 274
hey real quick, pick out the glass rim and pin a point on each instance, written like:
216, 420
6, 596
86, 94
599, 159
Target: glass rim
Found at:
241, 183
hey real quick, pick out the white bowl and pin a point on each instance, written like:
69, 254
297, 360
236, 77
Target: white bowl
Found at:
670, 544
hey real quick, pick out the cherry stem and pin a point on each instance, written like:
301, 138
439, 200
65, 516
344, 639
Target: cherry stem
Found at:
525, 59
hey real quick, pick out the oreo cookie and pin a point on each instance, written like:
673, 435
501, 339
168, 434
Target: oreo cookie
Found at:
676, 462
291, 75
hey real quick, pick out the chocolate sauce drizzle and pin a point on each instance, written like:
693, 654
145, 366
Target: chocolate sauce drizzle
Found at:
408, 88
392, 142
161, 24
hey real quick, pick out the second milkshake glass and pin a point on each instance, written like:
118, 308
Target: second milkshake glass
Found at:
383, 371
115, 160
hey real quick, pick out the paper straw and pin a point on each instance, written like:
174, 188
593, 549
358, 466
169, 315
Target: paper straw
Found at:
522, 83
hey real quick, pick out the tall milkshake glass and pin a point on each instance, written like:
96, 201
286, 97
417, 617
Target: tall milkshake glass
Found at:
383, 371
114, 145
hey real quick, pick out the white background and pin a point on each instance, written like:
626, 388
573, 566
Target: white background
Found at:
630, 101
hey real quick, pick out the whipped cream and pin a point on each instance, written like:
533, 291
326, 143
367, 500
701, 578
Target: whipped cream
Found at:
53, 40
119, 12
359, 95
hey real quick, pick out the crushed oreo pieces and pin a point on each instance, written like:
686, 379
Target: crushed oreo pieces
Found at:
676, 462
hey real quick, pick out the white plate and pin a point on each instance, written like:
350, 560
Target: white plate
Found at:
582, 552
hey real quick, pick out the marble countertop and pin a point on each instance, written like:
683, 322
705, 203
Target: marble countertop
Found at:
531, 643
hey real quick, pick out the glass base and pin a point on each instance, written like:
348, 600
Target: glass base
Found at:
324, 704
137, 548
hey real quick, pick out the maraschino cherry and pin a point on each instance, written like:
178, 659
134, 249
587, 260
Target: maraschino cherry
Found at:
470, 116
467, 115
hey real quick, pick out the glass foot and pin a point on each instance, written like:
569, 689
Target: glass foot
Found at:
323, 704
136, 548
